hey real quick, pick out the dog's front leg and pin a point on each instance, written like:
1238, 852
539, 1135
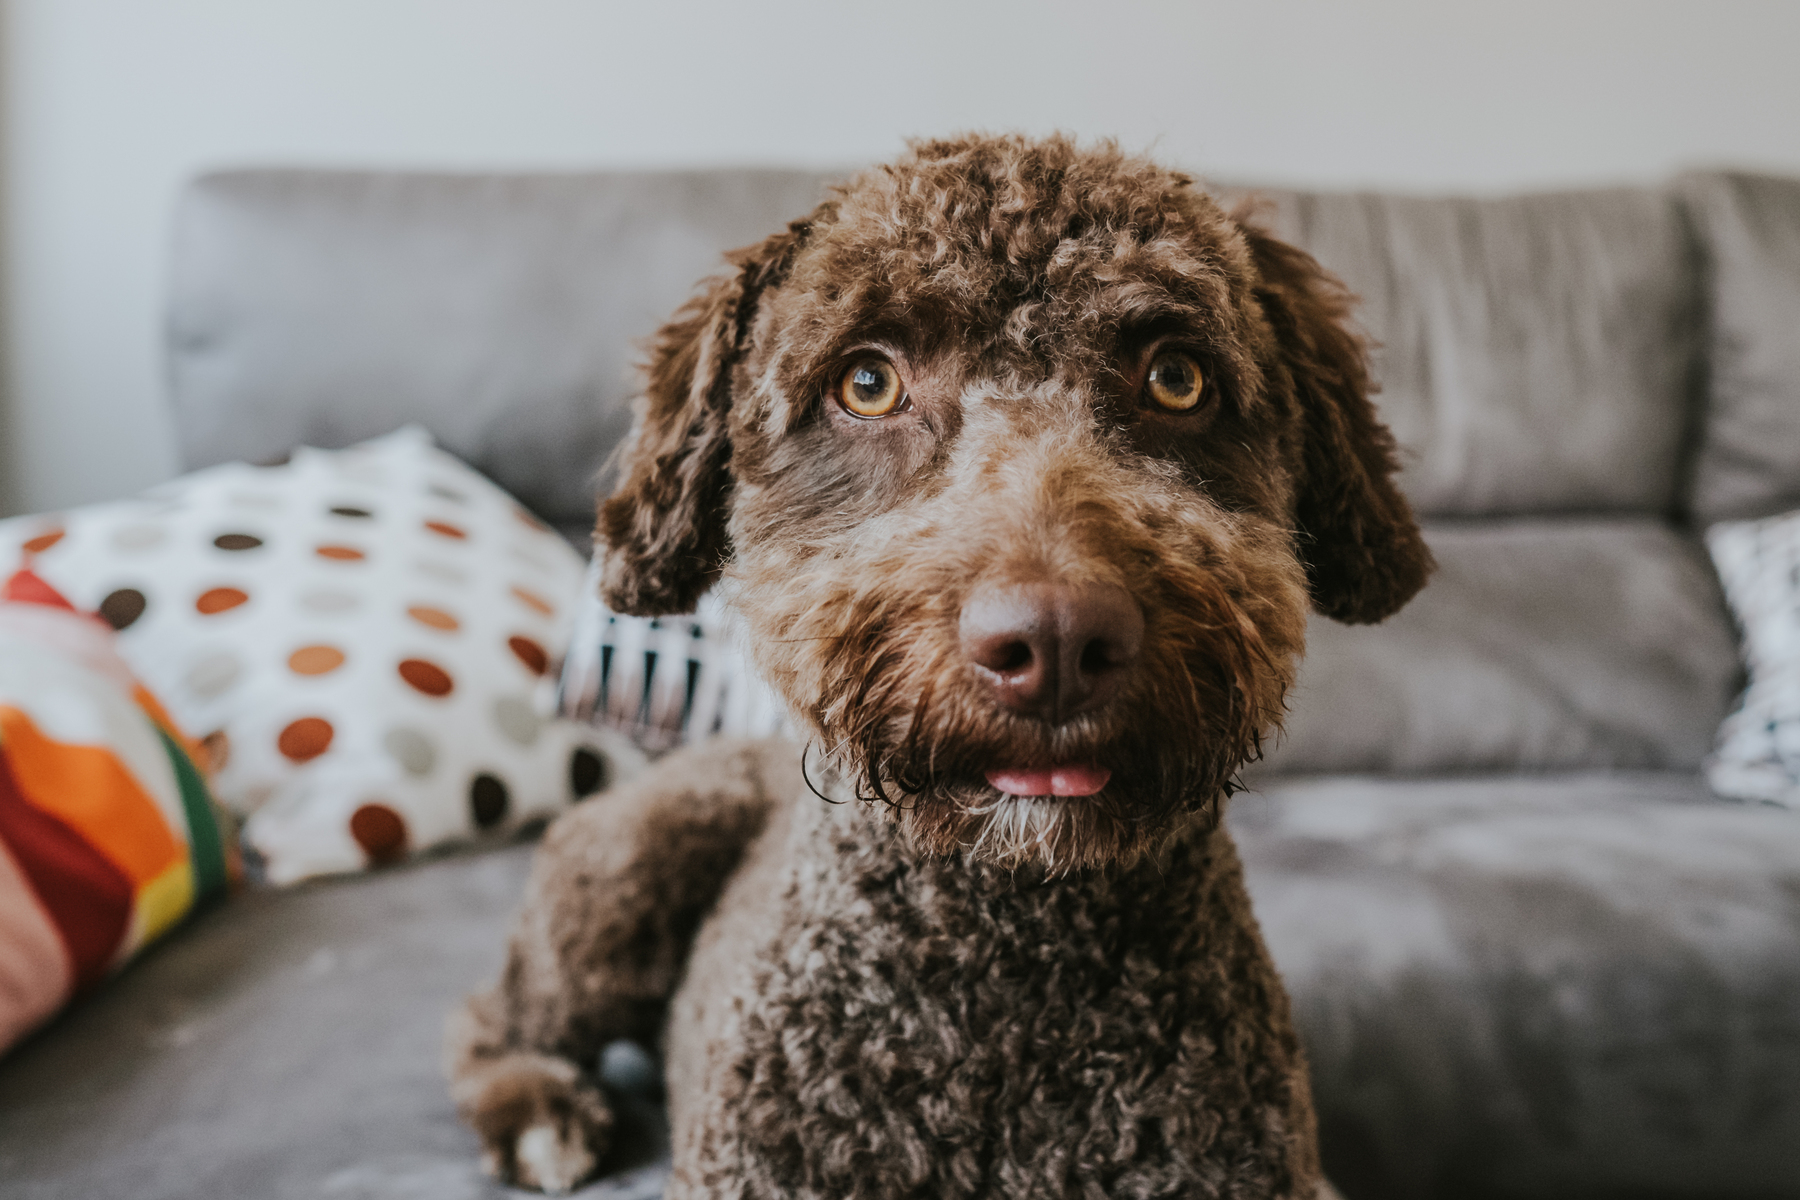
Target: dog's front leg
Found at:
617, 891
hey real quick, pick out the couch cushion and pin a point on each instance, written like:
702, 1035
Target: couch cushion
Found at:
1575, 986
285, 1048
1538, 645
1749, 229
499, 311
1536, 352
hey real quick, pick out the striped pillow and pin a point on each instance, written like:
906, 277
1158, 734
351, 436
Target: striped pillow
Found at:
107, 835
663, 681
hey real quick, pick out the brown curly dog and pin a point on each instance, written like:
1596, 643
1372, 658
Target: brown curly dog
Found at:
1021, 463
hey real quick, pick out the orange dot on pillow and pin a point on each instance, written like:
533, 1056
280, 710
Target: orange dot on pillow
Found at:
305, 739
217, 746
340, 553
218, 600
533, 601
427, 677
534, 656
43, 542
445, 528
437, 618
380, 831
315, 660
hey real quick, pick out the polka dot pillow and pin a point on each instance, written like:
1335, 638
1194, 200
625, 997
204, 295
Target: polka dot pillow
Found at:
360, 636
1757, 756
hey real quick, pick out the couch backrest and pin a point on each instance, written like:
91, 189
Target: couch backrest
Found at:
1536, 353
1543, 360
502, 312
1748, 230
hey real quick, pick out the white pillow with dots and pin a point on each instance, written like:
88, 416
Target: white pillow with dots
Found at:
361, 636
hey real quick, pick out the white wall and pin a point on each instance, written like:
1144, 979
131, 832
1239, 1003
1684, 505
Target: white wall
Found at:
110, 104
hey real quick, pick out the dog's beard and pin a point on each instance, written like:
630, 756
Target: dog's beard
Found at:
936, 789
1173, 744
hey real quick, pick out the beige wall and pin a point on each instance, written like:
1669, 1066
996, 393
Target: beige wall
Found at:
110, 104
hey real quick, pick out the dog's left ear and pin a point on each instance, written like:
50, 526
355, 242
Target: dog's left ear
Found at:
663, 528
1364, 554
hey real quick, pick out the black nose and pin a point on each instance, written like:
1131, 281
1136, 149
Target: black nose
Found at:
1052, 650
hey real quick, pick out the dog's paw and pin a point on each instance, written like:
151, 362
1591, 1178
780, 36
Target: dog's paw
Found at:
551, 1157
541, 1124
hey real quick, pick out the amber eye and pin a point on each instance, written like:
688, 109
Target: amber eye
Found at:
871, 388
1175, 382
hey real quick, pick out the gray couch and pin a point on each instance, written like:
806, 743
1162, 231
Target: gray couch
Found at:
1531, 954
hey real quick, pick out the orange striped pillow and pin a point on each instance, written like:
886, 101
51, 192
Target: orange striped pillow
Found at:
107, 835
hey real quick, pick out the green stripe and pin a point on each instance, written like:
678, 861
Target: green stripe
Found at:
205, 848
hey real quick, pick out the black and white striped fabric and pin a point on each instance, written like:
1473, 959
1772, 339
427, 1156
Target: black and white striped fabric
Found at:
1757, 756
662, 681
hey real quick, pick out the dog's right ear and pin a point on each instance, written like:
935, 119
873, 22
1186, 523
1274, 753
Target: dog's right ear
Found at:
663, 528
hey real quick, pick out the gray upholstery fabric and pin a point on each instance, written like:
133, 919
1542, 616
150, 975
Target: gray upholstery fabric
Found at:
1536, 352
502, 312
284, 1047
1578, 986
1559, 986
1749, 228
1538, 645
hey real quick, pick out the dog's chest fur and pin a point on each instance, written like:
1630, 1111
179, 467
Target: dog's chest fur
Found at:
860, 1022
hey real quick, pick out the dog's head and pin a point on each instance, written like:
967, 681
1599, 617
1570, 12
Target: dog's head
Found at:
1023, 463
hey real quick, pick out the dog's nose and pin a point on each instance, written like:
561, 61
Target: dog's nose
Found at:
1052, 650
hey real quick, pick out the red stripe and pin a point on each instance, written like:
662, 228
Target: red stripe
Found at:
87, 897
27, 587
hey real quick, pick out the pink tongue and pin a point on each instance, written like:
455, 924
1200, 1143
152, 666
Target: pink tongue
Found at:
1054, 781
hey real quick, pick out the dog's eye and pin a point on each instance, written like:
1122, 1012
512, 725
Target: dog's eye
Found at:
1175, 382
871, 388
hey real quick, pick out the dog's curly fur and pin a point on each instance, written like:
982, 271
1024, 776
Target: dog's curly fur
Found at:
928, 987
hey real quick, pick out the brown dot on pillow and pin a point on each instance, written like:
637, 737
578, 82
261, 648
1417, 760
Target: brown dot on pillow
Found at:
305, 739
587, 771
533, 601
340, 553
349, 510
380, 831
315, 660
427, 677
487, 801
446, 529
437, 618
237, 541
220, 599
534, 656
42, 542
213, 674
122, 607
411, 749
